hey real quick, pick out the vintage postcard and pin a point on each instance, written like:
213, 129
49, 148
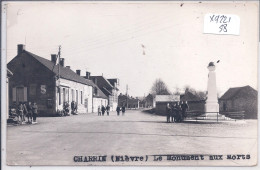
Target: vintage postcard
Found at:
141, 83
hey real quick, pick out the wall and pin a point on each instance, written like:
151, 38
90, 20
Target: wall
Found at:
31, 75
244, 101
71, 90
99, 102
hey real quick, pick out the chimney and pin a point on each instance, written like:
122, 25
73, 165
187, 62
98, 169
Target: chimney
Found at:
62, 60
20, 48
53, 58
68, 67
78, 72
87, 75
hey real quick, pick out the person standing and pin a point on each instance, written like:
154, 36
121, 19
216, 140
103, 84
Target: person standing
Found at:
34, 111
103, 109
29, 109
108, 109
184, 108
25, 111
168, 112
178, 111
123, 110
173, 112
20, 112
118, 110
99, 111
72, 105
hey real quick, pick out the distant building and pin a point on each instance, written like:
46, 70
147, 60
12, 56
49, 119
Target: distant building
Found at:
36, 79
110, 90
162, 100
240, 99
128, 102
150, 101
195, 103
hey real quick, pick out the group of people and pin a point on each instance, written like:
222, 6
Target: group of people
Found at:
176, 112
103, 109
66, 109
118, 109
27, 109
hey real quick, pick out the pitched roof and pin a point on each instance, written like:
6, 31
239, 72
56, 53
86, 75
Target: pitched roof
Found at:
232, 92
65, 72
167, 98
100, 94
8, 72
188, 96
102, 81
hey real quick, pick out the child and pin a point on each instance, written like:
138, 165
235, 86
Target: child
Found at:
99, 111
35, 112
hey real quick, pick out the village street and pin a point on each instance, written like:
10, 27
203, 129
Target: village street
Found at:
56, 140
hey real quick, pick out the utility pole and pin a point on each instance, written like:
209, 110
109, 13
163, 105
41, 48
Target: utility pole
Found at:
59, 73
59, 64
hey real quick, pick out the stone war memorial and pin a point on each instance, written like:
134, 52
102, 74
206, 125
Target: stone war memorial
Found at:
212, 106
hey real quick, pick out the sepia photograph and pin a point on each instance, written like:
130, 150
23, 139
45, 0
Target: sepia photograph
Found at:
134, 83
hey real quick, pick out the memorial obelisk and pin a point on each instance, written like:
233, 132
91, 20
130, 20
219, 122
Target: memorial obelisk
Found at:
212, 106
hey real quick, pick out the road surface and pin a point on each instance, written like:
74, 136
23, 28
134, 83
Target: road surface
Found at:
56, 140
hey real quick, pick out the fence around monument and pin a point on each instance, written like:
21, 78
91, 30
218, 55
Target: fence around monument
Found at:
200, 115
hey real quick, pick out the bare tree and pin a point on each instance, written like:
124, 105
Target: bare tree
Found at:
159, 88
200, 94
177, 90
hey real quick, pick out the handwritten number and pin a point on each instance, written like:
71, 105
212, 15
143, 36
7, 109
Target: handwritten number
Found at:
223, 28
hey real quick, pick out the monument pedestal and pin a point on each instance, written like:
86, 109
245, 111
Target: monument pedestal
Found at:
212, 110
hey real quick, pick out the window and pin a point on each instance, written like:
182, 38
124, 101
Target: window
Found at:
81, 97
77, 96
32, 90
72, 95
59, 92
64, 95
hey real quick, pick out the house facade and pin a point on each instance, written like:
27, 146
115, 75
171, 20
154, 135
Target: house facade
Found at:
110, 90
240, 99
39, 80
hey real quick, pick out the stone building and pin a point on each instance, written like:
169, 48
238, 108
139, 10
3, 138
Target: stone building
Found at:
37, 79
240, 99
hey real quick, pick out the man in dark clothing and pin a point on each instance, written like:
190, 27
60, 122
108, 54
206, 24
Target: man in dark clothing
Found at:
29, 109
108, 109
73, 108
118, 110
103, 109
34, 111
123, 110
184, 108
173, 112
168, 112
178, 113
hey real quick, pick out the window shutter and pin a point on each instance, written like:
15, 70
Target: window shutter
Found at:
25, 94
14, 94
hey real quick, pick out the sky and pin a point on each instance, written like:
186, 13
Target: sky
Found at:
139, 42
